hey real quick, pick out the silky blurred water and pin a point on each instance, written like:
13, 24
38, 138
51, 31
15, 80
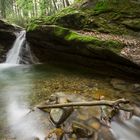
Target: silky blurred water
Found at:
16, 85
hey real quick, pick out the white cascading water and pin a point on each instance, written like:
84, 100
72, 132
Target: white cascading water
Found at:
20, 53
13, 56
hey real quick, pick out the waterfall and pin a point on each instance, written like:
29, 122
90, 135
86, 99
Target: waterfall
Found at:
13, 56
20, 53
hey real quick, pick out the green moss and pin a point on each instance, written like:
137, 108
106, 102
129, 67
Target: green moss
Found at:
32, 26
102, 6
75, 39
60, 31
73, 36
132, 24
104, 16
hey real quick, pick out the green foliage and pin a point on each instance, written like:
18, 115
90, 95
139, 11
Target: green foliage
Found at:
107, 16
102, 6
32, 27
24, 10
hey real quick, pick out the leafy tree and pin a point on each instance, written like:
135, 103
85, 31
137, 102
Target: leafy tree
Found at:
22, 10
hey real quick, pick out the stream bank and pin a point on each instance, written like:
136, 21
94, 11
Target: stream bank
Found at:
23, 87
85, 64
92, 34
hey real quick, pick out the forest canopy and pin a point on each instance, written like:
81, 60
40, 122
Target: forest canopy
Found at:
20, 11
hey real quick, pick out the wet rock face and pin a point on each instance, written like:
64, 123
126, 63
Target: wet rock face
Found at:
108, 17
57, 44
7, 37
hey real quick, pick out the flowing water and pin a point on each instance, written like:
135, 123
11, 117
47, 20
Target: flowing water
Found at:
13, 56
22, 86
20, 52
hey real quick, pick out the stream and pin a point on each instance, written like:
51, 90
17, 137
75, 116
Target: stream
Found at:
24, 86
16, 86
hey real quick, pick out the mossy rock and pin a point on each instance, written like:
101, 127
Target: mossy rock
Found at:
74, 39
104, 16
133, 24
52, 43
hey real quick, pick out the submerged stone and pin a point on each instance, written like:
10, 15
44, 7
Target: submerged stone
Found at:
136, 88
93, 123
81, 130
56, 134
36, 138
119, 84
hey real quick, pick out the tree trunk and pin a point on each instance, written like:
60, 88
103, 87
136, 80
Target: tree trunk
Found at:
35, 8
64, 3
3, 8
54, 4
67, 3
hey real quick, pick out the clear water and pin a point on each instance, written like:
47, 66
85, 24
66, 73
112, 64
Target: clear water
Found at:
17, 83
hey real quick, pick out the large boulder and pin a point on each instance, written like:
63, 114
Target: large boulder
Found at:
51, 43
108, 16
7, 38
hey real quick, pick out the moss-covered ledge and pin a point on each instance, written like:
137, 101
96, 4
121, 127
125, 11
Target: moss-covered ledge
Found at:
55, 43
71, 37
107, 16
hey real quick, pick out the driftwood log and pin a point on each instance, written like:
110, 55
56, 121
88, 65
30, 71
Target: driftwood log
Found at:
116, 103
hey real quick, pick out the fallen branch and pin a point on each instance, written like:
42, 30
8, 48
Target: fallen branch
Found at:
93, 103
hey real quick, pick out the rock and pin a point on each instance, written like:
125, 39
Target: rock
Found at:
56, 115
51, 43
73, 137
133, 24
7, 37
93, 123
132, 52
93, 15
36, 138
136, 88
59, 115
136, 111
106, 134
119, 84
81, 130
53, 99
56, 134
